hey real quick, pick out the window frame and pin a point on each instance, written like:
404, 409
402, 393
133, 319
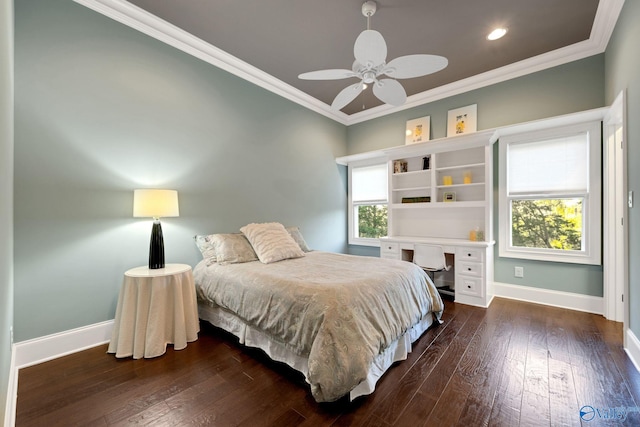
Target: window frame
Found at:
592, 198
352, 226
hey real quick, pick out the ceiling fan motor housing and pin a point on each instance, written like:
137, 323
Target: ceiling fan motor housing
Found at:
369, 8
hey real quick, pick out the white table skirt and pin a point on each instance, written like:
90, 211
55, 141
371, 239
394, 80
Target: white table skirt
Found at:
155, 308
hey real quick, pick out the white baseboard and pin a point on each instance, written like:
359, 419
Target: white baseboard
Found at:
38, 350
633, 348
572, 301
49, 347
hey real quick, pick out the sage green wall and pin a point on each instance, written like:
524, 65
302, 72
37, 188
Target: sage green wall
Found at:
560, 90
622, 63
6, 196
102, 109
568, 88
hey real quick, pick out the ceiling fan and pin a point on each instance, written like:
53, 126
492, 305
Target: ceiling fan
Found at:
370, 52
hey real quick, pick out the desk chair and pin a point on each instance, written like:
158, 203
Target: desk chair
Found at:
432, 260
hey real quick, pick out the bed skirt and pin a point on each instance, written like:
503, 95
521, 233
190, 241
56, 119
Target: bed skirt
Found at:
252, 337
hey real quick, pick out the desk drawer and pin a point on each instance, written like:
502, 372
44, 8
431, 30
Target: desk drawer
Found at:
466, 268
473, 286
389, 248
469, 254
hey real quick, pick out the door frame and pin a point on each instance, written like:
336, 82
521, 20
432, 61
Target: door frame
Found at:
615, 232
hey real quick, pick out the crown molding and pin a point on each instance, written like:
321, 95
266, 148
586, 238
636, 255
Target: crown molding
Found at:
141, 20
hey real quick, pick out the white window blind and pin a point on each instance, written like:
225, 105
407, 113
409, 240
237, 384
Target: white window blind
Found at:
369, 183
558, 165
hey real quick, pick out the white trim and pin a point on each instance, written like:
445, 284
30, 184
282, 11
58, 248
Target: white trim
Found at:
569, 300
141, 20
12, 392
615, 235
38, 350
361, 157
596, 114
633, 348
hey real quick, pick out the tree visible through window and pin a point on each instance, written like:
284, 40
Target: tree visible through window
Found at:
547, 223
372, 221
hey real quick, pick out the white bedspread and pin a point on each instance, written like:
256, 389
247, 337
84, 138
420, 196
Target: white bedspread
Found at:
339, 311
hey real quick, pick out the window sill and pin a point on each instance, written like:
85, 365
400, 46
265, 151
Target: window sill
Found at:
365, 242
548, 257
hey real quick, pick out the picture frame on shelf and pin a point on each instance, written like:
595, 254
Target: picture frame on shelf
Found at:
449, 196
400, 166
418, 130
462, 120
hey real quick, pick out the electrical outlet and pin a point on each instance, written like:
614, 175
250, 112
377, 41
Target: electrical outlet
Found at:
630, 201
10, 335
518, 271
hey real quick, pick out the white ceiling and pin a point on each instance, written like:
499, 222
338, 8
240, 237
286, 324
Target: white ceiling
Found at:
270, 42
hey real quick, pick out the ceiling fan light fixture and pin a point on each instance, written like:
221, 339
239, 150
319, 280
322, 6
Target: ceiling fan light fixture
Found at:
369, 77
497, 33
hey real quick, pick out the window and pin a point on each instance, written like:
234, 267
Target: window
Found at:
368, 202
550, 201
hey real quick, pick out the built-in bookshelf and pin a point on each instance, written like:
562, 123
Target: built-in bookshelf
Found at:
441, 188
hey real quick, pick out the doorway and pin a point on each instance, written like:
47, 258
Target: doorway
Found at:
615, 202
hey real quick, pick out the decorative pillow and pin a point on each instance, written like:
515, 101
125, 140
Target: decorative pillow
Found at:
232, 248
271, 242
207, 249
297, 236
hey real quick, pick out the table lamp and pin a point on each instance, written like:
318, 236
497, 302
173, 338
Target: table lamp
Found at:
153, 203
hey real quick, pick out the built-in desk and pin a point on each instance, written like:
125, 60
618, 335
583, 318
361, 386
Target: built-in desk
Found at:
473, 264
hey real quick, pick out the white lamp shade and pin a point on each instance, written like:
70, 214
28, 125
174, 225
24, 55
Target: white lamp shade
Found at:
153, 203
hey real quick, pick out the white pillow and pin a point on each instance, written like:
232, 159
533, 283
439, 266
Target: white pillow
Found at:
271, 242
232, 248
297, 236
206, 248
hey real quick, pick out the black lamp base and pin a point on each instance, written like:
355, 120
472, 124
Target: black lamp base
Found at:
156, 247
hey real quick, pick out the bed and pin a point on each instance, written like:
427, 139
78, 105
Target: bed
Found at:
341, 320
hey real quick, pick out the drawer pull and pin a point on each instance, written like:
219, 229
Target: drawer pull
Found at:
469, 286
468, 254
468, 268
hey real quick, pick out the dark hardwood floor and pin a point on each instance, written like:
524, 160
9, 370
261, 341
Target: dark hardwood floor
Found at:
513, 364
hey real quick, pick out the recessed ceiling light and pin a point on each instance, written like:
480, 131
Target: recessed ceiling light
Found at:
497, 33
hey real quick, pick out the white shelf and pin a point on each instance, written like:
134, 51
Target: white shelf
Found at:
417, 172
438, 205
466, 166
473, 184
411, 188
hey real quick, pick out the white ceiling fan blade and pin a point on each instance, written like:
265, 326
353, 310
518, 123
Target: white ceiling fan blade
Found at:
327, 75
390, 92
346, 95
370, 48
406, 67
